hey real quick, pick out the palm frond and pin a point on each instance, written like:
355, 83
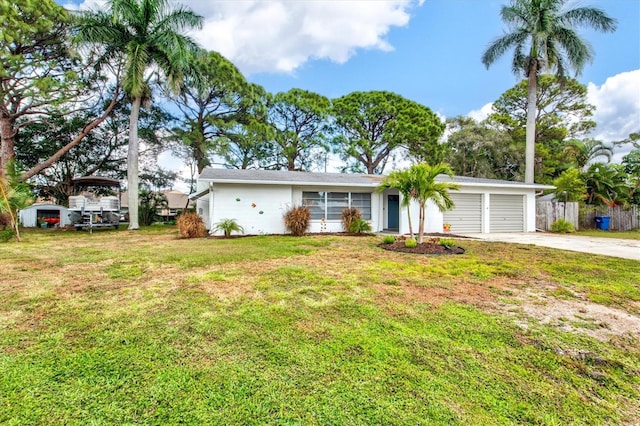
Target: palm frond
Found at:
588, 16
501, 45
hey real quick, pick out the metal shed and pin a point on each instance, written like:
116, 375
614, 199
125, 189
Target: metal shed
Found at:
52, 214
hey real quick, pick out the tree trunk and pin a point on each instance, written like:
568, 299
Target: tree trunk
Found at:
421, 224
7, 151
409, 219
291, 163
530, 144
200, 156
132, 164
199, 148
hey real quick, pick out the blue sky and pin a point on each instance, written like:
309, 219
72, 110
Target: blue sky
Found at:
436, 57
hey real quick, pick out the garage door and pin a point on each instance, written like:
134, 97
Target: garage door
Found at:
506, 213
466, 216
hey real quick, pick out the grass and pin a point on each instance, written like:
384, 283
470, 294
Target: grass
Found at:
634, 234
144, 328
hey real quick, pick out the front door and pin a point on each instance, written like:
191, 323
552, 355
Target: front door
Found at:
393, 212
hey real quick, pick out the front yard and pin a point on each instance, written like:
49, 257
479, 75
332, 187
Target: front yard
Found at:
143, 328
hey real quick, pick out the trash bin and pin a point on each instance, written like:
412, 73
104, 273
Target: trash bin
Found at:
602, 222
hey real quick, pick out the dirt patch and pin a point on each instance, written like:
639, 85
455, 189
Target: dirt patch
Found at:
598, 321
472, 294
424, 248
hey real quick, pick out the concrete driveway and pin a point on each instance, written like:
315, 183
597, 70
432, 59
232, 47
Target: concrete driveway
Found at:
627, 249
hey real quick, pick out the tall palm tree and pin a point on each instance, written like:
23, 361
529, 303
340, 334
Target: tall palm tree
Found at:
402, 180
147, 35
582, 152
544, 38
426, 187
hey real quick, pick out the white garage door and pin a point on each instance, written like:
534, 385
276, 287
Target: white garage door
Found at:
466, 216
506, 213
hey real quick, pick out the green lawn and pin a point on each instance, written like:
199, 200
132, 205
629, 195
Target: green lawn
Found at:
629, 235
124, 327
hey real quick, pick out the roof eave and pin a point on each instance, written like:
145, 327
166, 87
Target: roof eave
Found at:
292, 183
515, 185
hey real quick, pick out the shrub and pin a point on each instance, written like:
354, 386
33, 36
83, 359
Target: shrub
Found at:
446, 242
6, 234
388, 239
358, 226
228, 226
297, 220
349, 216
190, 225
150, 203
562, 226
410, 243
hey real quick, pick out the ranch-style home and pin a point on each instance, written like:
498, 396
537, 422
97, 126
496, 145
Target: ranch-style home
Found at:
258, 199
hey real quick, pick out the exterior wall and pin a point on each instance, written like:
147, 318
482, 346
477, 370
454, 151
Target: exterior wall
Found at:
202, 208
317, 226
202, 204
257, 208
432, 223
530, 211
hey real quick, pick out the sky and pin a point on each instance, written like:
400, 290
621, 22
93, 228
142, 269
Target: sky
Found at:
425, 50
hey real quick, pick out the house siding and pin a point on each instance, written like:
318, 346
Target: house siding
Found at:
259, 209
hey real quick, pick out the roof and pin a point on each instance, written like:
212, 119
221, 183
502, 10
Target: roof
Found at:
281, 177
95, 181
472, 181
175, 199
45, 206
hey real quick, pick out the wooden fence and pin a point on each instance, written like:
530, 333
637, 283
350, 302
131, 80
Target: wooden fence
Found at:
622, 219
548, 212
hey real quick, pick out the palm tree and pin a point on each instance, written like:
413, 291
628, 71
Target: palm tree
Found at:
425, 188
582, 152
607, 185
146, 34
543, 37
402, 181
15, 194
228, 226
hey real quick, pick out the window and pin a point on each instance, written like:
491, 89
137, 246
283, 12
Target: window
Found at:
316, 204
336, 202
330, 205
362, 202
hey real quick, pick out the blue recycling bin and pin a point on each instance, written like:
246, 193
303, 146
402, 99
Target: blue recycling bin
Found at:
602, 222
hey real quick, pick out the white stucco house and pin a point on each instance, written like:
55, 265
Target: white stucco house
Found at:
258, 199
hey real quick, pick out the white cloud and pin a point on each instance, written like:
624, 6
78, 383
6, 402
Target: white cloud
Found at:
85, 5
482, 113
281, 35
617, 103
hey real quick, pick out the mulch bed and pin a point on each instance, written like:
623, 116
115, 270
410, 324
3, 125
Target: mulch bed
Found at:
424, 248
